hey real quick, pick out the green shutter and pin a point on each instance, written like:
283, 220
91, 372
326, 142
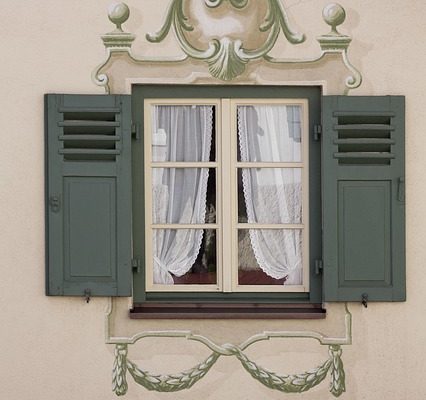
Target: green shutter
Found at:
363, 198
88, 195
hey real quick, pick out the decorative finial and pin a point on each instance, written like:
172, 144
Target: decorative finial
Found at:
118, 14
334, 15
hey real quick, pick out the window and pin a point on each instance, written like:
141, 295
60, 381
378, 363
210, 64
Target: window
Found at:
349, 166
242, 167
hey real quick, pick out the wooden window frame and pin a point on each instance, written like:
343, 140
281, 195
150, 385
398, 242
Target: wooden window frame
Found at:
226, 165
141, 297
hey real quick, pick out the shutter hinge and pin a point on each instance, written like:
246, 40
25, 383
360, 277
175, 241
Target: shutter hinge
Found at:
136, 132
318, 267
317, 132
136, 265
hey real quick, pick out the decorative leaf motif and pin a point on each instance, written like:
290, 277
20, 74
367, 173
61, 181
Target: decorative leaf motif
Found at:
297, 383
226, 64
119, 369
171, 383
337, 385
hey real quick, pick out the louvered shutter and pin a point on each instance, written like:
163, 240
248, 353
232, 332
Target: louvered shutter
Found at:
363, 198
88, 195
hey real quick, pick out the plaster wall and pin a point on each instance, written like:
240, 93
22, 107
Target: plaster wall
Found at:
54, 347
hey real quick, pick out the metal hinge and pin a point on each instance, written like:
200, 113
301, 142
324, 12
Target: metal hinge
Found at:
317, 132
136, 131
136, 264
318, 266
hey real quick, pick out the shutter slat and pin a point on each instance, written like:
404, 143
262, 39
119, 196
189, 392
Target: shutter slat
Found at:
363, 201
364, 127
365, 154
89, 110
364, 141
112, 138
88, 195
88, 123
87, 151
363, 113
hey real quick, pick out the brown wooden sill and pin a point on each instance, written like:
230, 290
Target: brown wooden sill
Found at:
154, 310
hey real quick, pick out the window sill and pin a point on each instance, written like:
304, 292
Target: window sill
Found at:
154, 310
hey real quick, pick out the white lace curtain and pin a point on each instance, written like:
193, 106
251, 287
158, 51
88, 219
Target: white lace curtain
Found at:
180, 133
271, 133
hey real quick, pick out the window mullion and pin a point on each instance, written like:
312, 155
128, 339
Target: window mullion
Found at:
227, 190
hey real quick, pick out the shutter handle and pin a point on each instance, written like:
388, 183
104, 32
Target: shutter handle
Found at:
87, 294
401, 188
364, 299
55, 203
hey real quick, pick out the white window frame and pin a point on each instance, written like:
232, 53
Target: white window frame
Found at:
226, 166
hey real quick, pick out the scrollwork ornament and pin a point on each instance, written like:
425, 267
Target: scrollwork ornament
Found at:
226, 58
235, 3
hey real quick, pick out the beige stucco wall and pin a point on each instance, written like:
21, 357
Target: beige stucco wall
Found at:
54, 348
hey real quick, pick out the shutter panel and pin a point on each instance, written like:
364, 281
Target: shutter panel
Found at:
88, 195
363, 198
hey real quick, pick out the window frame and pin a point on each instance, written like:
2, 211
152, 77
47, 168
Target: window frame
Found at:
313, 97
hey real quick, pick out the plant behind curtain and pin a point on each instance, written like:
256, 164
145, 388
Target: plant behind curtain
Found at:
272, 133
180, 133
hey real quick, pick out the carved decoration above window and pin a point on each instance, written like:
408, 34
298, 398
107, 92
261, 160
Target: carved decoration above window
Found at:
227, 56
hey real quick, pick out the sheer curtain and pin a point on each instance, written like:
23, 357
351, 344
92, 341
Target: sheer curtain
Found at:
271, 133
180, 133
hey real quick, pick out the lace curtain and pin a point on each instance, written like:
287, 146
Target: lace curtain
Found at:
271, 133
180, 133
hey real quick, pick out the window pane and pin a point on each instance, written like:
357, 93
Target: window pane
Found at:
270, 195
184, 256
183, 195
183, 133
270, 257
269, 133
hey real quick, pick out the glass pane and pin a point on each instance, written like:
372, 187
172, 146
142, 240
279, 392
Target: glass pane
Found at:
269, 133
270, 257
183, 195
270, 195
184, 256
183, 133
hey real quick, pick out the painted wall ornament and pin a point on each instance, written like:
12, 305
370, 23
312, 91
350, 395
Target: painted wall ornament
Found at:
227, 57
292, 383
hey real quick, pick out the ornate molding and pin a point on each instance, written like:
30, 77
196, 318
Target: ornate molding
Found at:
225, 57
293, 383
